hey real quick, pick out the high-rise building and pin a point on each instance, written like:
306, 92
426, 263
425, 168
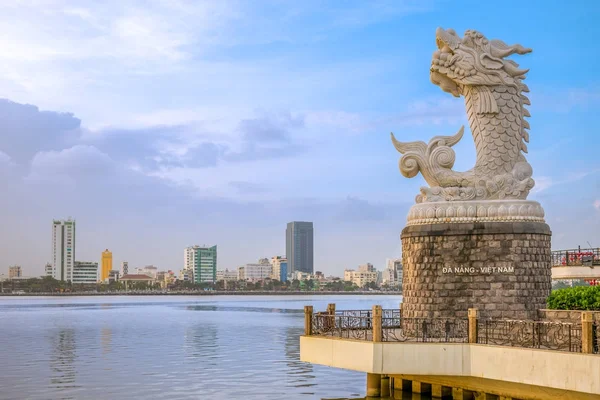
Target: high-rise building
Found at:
124, 268
201, 262
106, 265
279, 265
299, 247
63, 249
85, 272
15, 272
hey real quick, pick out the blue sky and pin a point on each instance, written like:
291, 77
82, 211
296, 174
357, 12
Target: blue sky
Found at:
162, 124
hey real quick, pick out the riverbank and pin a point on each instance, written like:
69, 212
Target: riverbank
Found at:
203, 293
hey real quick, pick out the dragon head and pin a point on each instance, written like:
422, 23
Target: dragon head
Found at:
473, 60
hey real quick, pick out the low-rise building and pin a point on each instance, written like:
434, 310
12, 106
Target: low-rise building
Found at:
360, 278
185, 275
255, 272
113, 276
149, 270
15, 272
134, 278
165, 278
227, 275
85, 272
301, 276
48, 269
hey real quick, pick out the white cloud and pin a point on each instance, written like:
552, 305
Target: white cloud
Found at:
5, 159
70, 165
597, 204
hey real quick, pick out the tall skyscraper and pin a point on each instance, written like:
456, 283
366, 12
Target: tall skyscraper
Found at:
299, 247
106, 265
201, 262
63, 249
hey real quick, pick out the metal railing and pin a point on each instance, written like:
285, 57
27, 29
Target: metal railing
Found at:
380, 325
576, 257
532, 334
342, 326
386, 313
425, 330
597, 334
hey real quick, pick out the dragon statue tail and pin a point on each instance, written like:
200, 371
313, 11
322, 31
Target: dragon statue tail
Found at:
434, 160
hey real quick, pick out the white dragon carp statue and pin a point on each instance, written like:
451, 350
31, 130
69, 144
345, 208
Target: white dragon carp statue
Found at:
493, 88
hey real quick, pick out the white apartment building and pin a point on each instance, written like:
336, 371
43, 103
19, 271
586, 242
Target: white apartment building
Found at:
255, 272
85, 272
63, 249
227, 275
360, 278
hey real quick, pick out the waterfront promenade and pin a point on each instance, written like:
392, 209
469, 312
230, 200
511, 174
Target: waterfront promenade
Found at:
465, 358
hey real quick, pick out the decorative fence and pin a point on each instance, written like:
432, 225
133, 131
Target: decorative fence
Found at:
597, 333
380, 325
534, 334
425, 330
576, 257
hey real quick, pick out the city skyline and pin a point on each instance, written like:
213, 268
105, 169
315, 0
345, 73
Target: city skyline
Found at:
249, 122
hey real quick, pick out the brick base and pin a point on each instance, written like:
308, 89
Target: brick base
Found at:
501, 268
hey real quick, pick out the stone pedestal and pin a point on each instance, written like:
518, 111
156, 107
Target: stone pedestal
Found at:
501, 268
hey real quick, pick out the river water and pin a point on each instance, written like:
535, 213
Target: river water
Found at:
167, 347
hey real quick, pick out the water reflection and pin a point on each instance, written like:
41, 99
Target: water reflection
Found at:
201, 344
105, 340
299, 374
63, 360
242, 308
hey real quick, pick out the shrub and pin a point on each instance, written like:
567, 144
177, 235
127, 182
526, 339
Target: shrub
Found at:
576, 298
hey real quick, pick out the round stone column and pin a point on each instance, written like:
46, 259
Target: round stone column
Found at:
501, 268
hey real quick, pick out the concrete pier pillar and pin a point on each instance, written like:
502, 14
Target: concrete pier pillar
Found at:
587, 333
473, 314
385, 386
457, 394
420, 387
308, 312
377, 313
439, 391
373, 385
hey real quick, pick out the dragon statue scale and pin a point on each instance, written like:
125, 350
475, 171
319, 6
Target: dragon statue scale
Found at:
492, 86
